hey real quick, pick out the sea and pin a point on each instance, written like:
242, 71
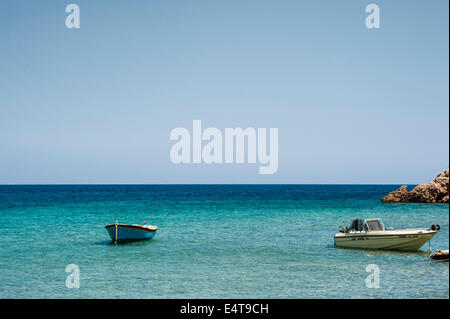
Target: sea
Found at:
213, 241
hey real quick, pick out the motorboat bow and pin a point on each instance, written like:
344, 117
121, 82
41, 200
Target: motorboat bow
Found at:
372, 234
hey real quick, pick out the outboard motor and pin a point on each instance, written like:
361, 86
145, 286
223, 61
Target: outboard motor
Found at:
343, 229
435, 227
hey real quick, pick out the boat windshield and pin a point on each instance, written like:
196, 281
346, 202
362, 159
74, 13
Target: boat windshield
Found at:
374, 225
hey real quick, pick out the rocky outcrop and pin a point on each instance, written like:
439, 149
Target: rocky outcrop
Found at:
433, 192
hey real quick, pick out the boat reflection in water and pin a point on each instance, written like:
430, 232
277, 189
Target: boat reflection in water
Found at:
371, 234
130, 232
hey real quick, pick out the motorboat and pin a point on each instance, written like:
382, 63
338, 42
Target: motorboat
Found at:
372, 234
130, 232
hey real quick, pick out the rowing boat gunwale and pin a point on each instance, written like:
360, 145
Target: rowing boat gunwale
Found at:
137, 227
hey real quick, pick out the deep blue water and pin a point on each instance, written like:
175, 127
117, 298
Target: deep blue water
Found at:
214, 241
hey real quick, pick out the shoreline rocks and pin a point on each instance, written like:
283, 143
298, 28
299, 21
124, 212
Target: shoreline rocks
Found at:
433, 192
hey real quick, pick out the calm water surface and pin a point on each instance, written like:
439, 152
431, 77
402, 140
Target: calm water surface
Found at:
214, 241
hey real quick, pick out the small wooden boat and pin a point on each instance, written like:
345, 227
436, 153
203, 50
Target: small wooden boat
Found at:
441, 255
130, 232
371, 234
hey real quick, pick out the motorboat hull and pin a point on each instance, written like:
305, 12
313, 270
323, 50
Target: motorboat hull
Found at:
130, 232
389, 240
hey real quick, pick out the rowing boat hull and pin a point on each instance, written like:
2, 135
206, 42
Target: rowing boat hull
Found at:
398, 240
130, 232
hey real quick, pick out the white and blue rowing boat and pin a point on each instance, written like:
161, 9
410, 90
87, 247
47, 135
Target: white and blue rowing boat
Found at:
130, 232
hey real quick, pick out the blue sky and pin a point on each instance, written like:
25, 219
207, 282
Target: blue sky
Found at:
97, 104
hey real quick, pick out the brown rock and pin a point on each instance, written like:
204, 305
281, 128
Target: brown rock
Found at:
433, 192
397, 196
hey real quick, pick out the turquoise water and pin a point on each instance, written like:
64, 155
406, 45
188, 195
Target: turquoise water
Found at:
214, 241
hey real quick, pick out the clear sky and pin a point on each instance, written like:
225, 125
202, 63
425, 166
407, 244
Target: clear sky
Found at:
97, 104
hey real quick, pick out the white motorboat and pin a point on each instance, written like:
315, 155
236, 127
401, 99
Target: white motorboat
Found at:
372, 234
